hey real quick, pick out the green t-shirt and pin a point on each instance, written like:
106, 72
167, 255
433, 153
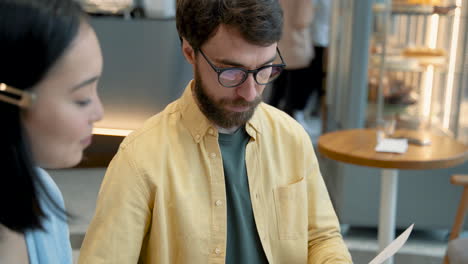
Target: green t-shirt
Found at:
243, 241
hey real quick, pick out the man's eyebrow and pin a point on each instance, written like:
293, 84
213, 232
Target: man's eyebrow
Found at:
86, 82
237, 64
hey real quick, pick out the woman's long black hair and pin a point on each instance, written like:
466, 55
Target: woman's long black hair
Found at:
34, 34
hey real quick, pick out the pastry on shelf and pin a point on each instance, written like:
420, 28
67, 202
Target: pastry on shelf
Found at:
103, 7
399, 94
420, 51
444, 10
440, 7
418, 2
396, 63
426, 56
395, 91
416, 6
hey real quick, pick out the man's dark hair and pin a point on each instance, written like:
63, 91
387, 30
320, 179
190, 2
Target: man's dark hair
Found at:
260, 22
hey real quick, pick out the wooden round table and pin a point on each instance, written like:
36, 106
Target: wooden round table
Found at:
357, 147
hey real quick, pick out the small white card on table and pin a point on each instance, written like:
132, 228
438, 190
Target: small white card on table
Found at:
392, 145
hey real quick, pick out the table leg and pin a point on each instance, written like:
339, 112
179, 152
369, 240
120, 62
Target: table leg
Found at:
387, 215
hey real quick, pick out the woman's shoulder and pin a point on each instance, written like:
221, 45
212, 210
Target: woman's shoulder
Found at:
49, 186
50, 244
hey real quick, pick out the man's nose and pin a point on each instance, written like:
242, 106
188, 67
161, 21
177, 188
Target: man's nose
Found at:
248, 90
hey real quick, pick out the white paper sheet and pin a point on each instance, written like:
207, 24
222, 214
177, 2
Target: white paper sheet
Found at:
393, 247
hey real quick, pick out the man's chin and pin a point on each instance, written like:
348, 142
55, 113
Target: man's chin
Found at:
236, 119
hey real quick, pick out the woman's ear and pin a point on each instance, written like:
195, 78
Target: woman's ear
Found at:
188, 51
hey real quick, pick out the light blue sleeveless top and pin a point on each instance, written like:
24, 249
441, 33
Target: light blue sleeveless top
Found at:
51, 245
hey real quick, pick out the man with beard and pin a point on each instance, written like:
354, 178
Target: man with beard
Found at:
218, 176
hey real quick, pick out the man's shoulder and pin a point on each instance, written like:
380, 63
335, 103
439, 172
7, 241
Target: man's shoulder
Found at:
273, 112
276, 120
282, 132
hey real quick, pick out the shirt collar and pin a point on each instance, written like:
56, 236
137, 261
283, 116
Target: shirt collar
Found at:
199, 125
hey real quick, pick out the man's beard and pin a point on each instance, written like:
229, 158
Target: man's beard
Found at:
216, 112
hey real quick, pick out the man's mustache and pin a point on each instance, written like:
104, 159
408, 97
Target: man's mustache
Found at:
241, 102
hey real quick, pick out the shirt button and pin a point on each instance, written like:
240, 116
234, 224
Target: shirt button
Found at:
217, 251
219, 203
210, 131
197, 137
213, 155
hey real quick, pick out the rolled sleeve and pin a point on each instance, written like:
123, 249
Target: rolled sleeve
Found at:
325, 243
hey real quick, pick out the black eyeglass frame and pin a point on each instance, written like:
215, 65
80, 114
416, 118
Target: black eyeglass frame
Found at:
219, 71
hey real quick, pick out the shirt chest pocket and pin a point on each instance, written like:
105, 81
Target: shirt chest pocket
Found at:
291, 210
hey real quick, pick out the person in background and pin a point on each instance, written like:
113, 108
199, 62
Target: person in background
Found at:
320, 36
294, 86
50, 62
218, 176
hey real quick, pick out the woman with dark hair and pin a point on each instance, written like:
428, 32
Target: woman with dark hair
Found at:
50, 62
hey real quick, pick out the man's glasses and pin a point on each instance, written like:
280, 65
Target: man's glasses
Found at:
234, 76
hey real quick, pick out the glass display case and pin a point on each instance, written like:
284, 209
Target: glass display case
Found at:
418, 56
417, 66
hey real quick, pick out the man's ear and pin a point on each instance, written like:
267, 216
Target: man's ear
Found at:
188, 51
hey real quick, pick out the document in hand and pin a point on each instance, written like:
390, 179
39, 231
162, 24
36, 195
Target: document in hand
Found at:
393, 247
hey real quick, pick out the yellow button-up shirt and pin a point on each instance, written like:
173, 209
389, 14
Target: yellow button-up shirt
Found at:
163, 198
